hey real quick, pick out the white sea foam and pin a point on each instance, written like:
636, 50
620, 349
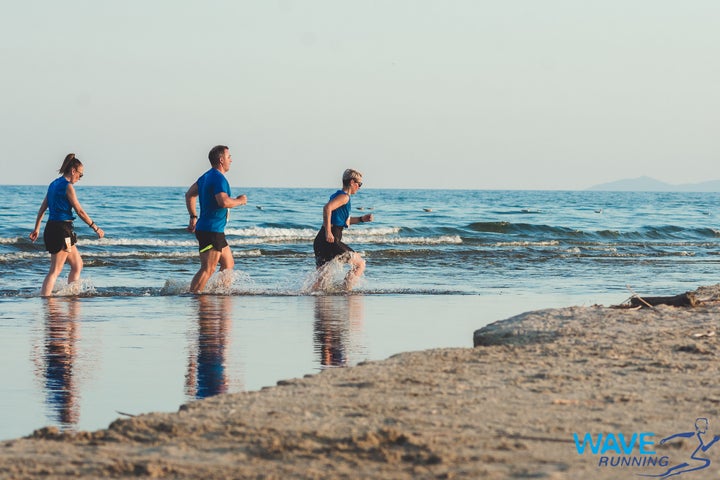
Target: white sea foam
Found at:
276, 234
273, 233
377, 231
441, 240
192, 253
174, 254
265, 236
138, 242
11, 257
548, 243
268, 236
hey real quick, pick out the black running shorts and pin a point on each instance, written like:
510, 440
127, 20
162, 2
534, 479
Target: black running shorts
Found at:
59, 235
208, 240
325, 251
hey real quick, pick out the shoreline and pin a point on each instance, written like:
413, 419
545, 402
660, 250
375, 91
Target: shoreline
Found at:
507, 409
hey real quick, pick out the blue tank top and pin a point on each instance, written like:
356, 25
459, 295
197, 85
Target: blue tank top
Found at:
58, 203
340, 215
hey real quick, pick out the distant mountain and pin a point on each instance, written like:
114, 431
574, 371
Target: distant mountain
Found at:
647, 184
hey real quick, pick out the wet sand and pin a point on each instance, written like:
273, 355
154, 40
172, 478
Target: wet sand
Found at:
506, 409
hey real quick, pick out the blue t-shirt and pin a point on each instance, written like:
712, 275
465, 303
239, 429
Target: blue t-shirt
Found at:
340, 215
212, 217
58, 203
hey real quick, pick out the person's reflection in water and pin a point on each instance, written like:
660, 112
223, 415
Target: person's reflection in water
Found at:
337, 318
60, 350
206, 367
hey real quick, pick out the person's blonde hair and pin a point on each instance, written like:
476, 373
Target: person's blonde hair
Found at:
351, 174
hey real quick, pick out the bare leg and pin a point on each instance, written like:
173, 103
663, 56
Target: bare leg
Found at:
320, 274
357, 267
76, 264
208, 262
227, 262
57, 262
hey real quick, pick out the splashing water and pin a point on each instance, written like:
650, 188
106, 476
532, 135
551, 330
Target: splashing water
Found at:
78, 288
175, 287
226, 282
229, 282
331, 278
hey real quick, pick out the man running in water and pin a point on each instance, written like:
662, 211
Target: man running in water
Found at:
213, 190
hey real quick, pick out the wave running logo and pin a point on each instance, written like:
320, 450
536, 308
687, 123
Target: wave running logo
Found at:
616, 450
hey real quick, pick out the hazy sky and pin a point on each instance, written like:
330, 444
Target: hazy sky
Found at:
526, 94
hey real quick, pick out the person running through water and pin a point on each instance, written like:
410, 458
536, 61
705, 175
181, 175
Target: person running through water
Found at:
59, 236
213, 190
328, 243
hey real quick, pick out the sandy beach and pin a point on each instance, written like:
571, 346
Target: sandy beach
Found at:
507, 408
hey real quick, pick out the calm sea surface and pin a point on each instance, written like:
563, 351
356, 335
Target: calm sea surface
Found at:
440, 263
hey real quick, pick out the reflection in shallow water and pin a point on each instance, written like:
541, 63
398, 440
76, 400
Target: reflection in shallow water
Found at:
59, 355
206, 375
338, 319
92, 358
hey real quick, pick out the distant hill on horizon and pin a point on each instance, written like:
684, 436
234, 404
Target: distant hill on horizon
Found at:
648, 184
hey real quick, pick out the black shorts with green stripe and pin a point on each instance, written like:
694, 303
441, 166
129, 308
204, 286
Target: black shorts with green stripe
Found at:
210, 240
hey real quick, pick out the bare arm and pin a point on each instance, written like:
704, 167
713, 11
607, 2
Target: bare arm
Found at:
190, 202
225, 201
333, 204
36, 232
75, 204
368, 217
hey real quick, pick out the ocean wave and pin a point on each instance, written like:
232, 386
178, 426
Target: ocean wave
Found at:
522, 211
521, 228
88, 255
14, 257
138, 242
441, 240
110, 241
549, 243
270, 233
649, 233
274, 236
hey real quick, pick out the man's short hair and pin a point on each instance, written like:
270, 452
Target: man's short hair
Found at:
215, 154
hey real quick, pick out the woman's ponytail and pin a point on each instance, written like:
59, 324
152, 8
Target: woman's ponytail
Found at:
69, 163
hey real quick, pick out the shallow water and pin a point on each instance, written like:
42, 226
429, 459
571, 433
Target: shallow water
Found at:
77, 362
